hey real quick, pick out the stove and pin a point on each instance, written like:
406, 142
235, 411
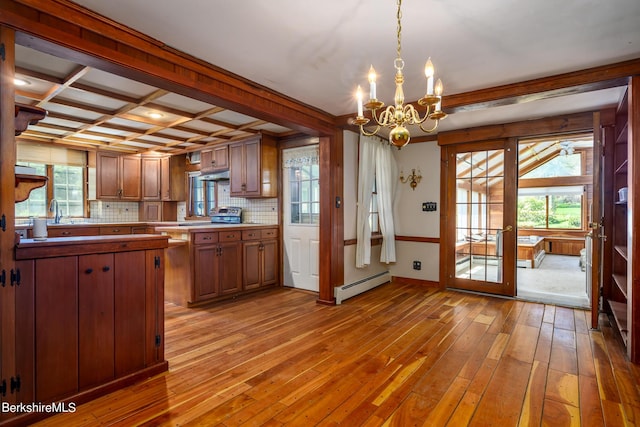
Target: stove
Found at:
226, 215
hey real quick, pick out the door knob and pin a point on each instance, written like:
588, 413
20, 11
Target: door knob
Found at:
507, 228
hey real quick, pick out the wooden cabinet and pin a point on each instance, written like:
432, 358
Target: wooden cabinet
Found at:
217, 262
151, 183
118, 177
71, 231
253, 167
260, 258
158, 211
88, 321
115, 230
214, 159
172, 178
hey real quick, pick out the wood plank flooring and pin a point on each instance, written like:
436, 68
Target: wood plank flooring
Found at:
399, 355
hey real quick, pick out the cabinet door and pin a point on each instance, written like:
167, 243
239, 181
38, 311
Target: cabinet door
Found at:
151, 211
25, 330
220, 158
229, 267
165, 178
269, 262
206, 161
56, 332
130, 178
151, 178
236, 169
154, 308
251, 264
96, 317
107, 176
253, 175
205, 272
129, 309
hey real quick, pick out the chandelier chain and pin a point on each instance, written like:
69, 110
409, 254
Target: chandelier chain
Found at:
399, 15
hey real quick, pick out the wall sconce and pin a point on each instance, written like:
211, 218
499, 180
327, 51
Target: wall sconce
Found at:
412, 179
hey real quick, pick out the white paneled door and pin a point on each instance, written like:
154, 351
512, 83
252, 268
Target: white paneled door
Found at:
301, 208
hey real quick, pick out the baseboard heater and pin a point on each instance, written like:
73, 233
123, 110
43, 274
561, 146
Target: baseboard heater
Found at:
347, 291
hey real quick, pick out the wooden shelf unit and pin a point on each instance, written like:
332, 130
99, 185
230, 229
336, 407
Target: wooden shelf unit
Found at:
621, 300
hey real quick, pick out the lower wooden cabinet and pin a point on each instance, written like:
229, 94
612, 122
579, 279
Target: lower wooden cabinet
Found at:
217, 267
219, 264
260, 263
87, 320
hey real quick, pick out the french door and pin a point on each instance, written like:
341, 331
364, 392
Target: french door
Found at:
479, 225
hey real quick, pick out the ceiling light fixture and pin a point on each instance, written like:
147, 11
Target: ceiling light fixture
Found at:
20, 82
155, 115
397, 116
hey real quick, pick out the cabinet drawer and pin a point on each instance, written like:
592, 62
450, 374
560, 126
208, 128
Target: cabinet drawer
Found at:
230, 236
269, 233
115, 230
204, 238
70, 232
251, 235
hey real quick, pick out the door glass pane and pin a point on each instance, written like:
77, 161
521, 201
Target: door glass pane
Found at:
479, 215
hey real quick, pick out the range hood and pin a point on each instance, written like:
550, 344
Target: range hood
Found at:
218, 176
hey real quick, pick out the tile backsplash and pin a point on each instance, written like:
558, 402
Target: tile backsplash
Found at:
108, 211
262, 211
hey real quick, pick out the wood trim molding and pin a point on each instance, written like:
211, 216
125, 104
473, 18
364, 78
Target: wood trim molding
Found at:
580, 122
66, 30
411, 281
418, 239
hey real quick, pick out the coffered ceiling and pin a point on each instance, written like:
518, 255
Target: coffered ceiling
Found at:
93, 109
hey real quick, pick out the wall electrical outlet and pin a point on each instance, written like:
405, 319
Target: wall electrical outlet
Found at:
429, 206
417, 265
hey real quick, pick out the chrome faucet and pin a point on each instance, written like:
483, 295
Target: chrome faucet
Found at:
58, 214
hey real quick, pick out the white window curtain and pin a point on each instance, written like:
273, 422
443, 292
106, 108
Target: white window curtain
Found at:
386, 183
376, 162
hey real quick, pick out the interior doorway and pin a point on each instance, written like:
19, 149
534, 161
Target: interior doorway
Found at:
554, 202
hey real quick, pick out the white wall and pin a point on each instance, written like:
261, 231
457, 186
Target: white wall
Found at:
410, 220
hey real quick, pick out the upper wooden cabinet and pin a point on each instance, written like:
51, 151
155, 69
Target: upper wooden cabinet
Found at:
163, 178
253, 166
118, 177
172, 178
215, 159
151, 173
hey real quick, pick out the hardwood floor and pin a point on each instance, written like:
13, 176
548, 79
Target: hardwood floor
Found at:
399, 355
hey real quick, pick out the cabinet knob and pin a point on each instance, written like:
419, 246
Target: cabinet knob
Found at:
66, 233
106, 268
116, 230
88, 271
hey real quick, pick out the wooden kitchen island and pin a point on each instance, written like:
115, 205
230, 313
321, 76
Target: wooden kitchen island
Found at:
89, 315
211, 262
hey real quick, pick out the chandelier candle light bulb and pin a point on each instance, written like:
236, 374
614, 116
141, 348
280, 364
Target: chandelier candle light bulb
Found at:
398, 116
429, 72
372, 83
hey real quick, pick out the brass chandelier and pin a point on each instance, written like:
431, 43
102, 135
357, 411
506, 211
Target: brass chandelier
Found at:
397, 117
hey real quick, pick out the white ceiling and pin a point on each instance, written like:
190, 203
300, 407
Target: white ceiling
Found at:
318, 51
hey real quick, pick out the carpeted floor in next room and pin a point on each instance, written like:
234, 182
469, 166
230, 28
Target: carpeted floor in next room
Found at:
558, 280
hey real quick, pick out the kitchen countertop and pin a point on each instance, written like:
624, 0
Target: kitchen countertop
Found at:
210, 227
